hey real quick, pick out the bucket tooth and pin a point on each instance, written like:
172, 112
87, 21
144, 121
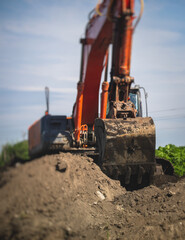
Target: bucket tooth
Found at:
141, 172
128, 175
151, 174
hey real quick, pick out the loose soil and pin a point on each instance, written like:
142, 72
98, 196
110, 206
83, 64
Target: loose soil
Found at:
66, 196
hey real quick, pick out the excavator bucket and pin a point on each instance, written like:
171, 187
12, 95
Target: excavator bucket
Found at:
126, 148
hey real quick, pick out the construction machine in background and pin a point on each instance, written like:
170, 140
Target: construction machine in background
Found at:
123, 138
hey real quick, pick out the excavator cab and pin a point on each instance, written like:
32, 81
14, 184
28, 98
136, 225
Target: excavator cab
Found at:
50, 133
135, 98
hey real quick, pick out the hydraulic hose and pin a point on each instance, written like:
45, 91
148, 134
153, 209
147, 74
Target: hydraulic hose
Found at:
140, 14
98, 8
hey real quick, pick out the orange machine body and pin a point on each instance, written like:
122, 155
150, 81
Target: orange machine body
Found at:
123, 138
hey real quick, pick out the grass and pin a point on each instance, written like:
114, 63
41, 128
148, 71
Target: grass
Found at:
176, 155
14, 152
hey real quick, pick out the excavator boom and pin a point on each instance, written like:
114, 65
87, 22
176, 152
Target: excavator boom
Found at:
110, 24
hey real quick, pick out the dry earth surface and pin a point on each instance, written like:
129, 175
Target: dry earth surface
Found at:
66, 196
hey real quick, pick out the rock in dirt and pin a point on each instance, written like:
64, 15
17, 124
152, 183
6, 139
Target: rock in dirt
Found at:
100, 195
61, 166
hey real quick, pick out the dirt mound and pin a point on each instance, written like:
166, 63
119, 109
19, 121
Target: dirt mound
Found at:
66, 196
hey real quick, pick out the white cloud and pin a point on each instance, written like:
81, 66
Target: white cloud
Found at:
52, 22
158, 50
53, 71
40, 89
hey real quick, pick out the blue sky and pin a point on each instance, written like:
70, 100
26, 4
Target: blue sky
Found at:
39, 46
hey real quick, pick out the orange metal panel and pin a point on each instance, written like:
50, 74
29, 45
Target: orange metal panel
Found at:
104, 97
34, 134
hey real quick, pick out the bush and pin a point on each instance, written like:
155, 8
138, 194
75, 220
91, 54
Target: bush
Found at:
176, 155
14, 152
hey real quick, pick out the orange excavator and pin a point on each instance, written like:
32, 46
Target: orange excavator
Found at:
123, 138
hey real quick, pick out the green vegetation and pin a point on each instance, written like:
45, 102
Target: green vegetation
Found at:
176, 155
14, 152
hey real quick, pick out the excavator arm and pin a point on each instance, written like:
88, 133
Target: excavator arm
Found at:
112, 23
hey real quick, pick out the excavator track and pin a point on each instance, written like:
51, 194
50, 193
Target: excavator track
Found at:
167, 167
127, 149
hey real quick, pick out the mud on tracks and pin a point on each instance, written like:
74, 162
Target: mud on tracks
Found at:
66, 196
